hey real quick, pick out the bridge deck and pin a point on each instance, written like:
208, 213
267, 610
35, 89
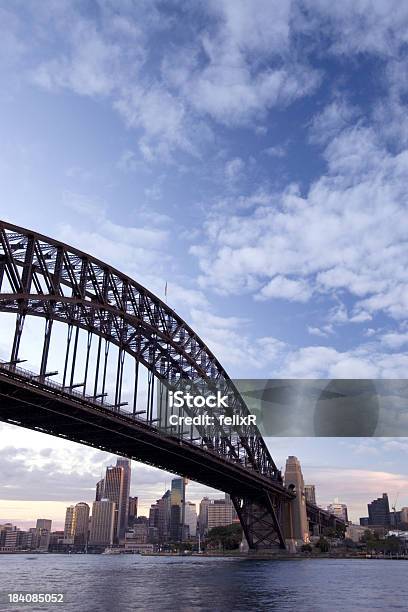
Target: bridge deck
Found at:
48, 408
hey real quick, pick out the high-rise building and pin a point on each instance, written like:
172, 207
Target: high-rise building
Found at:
124, 501
81, 524
44, 524
69, 526
191, 518
76, 524
154, 515
294, 480
177, 512
164, 504
310, 494
379, 511
203, 515
100, 486
219, 513
132, 512
102, 523
113, 490
339, 510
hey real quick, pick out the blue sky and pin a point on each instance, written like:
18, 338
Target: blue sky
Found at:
253, 155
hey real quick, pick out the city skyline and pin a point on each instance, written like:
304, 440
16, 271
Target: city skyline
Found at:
148, 492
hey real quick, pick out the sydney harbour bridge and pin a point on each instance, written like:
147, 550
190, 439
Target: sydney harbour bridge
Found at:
106, 352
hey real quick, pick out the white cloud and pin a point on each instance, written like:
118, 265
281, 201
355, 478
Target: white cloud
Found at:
347, 234
281, 287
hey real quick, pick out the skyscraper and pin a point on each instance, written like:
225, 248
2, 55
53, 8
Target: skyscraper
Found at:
113, 490
76, 524
44, 524
191, 518
379, 511
310, 493
102, 523
124, 500
177, 513
81, 524
203, 515
132, 511
69, 525
100, 485
164, 504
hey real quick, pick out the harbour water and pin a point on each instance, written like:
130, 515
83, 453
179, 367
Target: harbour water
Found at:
132, 582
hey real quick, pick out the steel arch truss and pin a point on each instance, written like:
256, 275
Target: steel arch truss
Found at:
43, 277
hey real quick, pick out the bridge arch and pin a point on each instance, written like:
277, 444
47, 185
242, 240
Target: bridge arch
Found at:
43, 277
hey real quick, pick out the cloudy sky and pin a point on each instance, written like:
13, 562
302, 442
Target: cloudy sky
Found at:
251, 154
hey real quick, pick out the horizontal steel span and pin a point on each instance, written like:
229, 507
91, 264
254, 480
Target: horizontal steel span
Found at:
53, 410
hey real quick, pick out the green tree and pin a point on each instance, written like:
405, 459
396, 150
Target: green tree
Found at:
323, 545
227, 538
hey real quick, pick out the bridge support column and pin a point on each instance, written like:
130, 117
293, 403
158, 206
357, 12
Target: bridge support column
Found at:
261, 521
299, 528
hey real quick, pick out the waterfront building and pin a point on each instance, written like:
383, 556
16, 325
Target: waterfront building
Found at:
44, 524
203, 515
191, 518
339, 510
123, 511
355, 532
379, 511
81, 524
132, 511
69, 525
177, 511
102, 523
100, 486
113, 490
310, 494
219, 513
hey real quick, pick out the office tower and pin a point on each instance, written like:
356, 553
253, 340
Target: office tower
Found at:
219, 513
379, 511
339, 510
44, 524
177, 512
102, 523
203, 515
310, 494
294, 481
154, 515
100, 489
113, 490
124, 501
69, 525
81, 524
132, 512
164, 505
76, 524
191, 518
141, 530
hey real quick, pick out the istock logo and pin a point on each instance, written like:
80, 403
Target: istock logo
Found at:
179, 399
